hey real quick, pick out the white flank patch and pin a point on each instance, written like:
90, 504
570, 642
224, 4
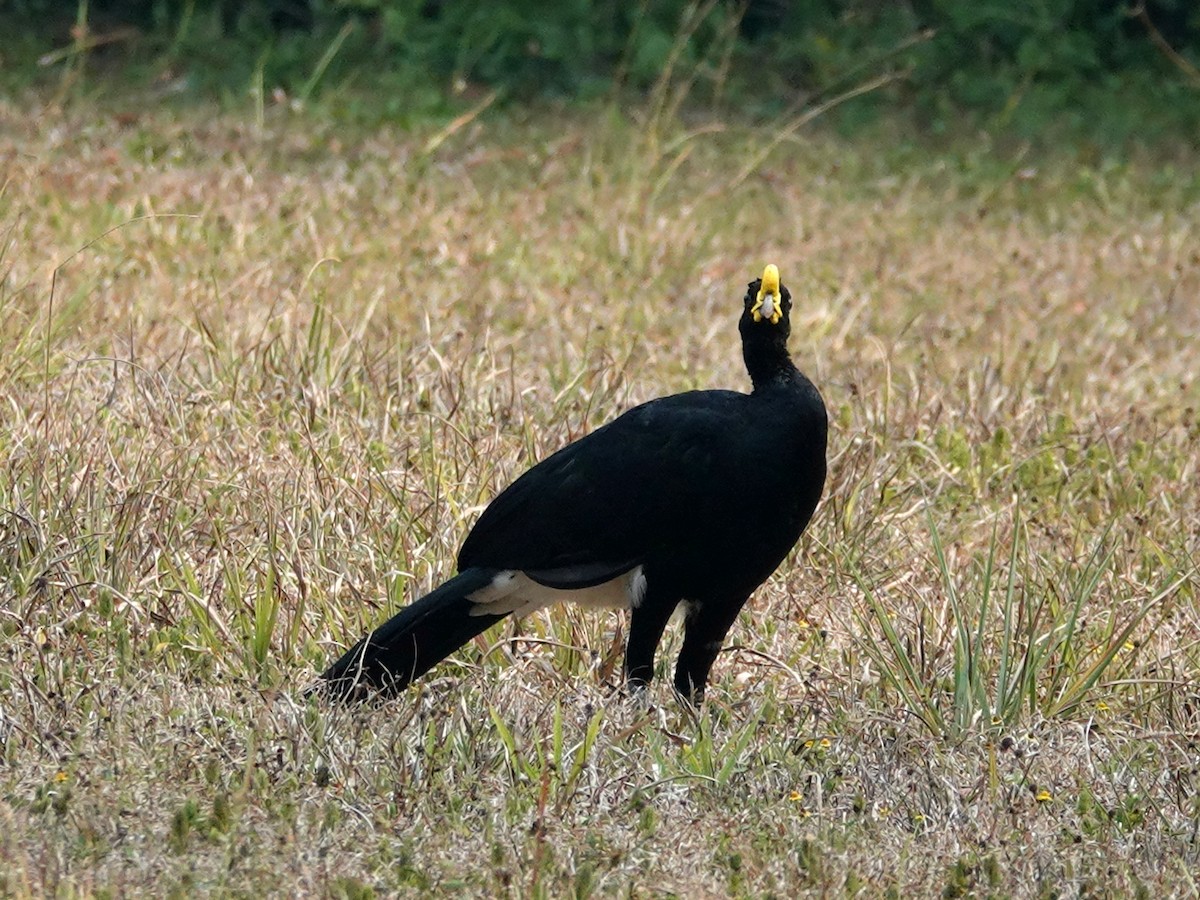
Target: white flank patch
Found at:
515, 592
637, 586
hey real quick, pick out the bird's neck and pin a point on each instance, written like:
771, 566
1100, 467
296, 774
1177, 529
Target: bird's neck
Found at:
768, 361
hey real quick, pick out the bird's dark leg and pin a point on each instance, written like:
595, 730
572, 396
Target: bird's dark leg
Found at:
705, 629
646, 625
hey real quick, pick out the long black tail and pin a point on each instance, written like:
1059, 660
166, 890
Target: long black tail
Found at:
413, 641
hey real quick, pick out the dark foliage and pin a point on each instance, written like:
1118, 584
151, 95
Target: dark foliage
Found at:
1044, 60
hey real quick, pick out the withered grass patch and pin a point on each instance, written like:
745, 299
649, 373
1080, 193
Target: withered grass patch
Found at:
283, 367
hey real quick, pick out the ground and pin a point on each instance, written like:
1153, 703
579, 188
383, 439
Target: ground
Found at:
261, 371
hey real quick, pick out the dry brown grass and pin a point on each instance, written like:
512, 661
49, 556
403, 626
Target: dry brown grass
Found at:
283, 367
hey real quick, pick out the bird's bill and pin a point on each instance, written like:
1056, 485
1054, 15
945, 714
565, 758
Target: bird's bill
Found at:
768, 305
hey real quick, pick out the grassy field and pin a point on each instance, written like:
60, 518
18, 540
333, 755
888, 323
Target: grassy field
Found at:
259, 375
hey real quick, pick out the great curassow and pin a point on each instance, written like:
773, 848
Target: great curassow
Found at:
694, 498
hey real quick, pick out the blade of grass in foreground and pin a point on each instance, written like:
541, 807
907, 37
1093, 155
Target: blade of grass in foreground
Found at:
1033, 655
895, 663
1075, 689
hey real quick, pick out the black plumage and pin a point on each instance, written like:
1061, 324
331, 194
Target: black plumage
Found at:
692, 498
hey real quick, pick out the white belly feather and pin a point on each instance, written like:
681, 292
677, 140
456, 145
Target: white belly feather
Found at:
515, 592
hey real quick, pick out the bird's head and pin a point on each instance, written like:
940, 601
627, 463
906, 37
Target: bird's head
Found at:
765, 326
768, 302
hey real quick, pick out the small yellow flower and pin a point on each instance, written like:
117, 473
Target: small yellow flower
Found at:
884, 811
795, 796
1044, 796
60, 776
1101, 707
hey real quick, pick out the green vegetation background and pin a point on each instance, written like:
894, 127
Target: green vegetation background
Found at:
1112, 71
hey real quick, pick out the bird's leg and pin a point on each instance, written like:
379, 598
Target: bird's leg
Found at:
704, 631
646, 624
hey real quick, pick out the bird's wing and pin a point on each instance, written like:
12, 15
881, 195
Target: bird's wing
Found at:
600, 505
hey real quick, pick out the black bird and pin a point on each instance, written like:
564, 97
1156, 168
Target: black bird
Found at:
693, 498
